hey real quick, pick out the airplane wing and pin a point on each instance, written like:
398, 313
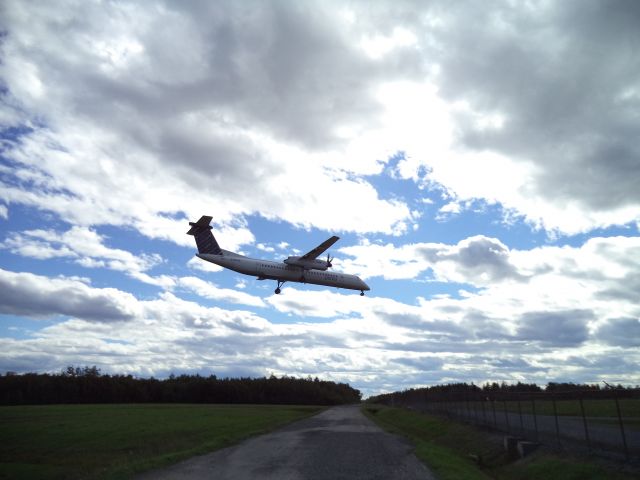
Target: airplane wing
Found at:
320, 248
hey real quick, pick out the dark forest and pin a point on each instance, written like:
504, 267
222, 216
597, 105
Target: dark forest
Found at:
503, 391
88, 385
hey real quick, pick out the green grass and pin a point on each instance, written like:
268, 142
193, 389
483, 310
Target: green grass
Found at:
449, 449
552, 467
434, 440
115, 441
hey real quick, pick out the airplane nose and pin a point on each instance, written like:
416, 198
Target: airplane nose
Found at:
363, 286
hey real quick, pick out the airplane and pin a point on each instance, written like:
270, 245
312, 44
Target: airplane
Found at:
303, 269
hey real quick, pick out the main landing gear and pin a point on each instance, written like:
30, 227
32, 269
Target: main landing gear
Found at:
280, 284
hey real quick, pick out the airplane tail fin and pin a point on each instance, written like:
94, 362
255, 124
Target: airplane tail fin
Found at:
205, 240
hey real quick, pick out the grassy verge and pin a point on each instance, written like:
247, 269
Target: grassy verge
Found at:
458, 451
115, 441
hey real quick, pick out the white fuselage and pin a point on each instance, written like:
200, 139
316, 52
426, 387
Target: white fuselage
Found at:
266, 269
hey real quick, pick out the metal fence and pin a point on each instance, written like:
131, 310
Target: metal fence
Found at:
599, 422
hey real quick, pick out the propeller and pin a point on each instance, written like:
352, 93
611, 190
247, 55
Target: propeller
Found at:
329, 259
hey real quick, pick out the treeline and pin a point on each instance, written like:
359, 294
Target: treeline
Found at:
88, 385
502, 391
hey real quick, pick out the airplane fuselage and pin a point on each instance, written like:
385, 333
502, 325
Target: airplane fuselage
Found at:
266, 269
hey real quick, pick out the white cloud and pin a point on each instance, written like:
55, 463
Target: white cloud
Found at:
379, 45
199, 264
86, 247
477, 260
213, 292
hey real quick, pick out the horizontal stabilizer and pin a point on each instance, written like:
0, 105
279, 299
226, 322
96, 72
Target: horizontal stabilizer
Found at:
204, 222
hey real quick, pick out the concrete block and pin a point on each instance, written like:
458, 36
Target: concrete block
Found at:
511, 445
525, 448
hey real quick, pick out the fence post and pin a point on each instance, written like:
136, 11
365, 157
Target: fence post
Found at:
535, 418
484, 412
586, 428
475, 411
555, 415
624, 437
520, 413
506, 415
495, 420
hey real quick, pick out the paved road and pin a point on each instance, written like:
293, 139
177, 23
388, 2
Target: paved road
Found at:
339, 443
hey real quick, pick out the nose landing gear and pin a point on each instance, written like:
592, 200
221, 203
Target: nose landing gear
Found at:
362, 293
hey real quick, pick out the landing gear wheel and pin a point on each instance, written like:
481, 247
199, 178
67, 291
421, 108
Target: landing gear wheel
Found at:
362, 293
277, 290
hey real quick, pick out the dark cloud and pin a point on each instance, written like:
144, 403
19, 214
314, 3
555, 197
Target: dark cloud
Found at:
479, 258
511, 364
567, 328
421, 363
39, 297
612, 369
24, 362
420, 323
624, 289
483, 327
564, 76
280, 67
622, 332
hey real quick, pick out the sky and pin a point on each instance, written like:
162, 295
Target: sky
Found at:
479, 161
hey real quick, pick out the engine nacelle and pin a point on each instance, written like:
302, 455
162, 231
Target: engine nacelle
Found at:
313, 264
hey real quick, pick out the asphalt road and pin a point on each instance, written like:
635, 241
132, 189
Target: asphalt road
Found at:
339, 443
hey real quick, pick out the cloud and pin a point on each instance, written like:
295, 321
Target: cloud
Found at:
147, 139
198, 264
477, 260
128, 111
623, 332
213, 292
567, 328
437, 340
41, 297
560, 132
86, 247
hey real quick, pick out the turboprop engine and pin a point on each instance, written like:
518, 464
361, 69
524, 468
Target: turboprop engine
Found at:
309, 264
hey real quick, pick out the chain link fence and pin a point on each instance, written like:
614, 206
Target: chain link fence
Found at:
600, 422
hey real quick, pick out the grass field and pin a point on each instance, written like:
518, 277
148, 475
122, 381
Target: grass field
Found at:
452, 451
115, 441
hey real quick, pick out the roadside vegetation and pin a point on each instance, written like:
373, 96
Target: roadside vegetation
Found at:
456, 451
116, 441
